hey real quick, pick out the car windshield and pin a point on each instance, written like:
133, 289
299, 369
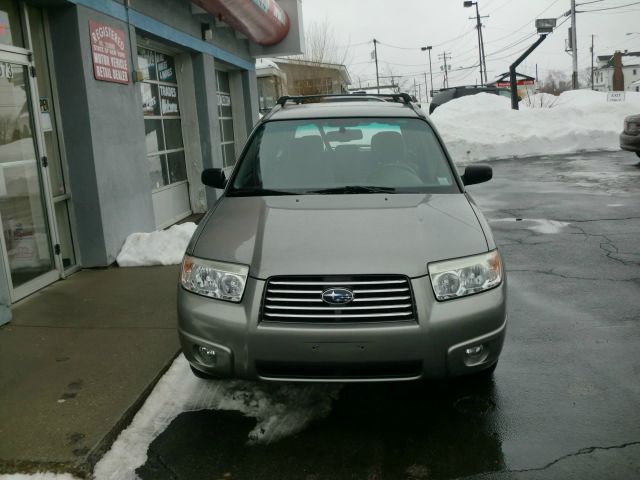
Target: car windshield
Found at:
345, 155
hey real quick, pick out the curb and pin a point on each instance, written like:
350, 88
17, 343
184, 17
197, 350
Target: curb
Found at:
83, 468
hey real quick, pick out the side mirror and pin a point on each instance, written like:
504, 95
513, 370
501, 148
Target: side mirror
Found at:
477, 174
213, 177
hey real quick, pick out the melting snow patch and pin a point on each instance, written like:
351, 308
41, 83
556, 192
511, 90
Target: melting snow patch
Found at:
165, 247
280, 409
538, 225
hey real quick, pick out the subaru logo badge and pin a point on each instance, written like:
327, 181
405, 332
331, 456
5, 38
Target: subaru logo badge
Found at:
337, 296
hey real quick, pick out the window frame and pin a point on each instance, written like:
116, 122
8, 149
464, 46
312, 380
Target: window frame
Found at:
164, 153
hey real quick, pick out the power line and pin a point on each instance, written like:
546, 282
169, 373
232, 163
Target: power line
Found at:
608, 8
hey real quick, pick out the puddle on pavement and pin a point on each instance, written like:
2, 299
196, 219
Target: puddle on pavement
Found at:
538, 225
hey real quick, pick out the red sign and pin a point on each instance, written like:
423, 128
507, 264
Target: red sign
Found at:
108, 50
520, 83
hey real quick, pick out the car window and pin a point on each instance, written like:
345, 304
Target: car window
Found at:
306, 156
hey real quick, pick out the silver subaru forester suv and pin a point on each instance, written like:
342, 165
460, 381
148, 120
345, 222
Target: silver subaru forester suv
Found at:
344, 248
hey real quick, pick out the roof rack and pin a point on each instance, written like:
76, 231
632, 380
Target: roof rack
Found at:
396, 97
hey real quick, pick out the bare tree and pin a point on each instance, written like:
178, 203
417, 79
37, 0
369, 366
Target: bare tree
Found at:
585, 78
320, 45
555, 83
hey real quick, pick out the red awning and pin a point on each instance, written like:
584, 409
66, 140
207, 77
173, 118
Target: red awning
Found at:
262, 21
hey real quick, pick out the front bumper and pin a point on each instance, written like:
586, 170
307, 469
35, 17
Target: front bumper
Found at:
630, 142
433, 346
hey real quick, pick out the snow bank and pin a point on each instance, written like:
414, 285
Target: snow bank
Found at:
165, 247
483, 126
280, 409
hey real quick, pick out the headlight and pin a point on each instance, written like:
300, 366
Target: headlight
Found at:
224, 281
466, 276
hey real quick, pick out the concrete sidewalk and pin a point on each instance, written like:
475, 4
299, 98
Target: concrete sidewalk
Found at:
78, 360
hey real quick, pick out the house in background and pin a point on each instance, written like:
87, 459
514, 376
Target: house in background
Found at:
272, 84
629, 69
286, 76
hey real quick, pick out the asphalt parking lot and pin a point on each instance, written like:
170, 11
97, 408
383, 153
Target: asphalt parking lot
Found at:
565, 398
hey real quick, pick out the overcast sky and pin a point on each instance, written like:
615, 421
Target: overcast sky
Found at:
445, 24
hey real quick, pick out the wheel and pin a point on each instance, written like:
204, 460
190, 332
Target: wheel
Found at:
199, 374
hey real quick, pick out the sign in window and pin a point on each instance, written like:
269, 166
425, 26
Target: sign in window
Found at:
163, 126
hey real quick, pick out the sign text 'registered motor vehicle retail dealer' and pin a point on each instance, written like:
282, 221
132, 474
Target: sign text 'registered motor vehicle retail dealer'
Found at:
108, 51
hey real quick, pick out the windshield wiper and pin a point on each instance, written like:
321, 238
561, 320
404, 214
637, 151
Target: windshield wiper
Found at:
257, 192
354, 189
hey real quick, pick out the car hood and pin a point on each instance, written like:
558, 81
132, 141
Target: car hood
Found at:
340, 234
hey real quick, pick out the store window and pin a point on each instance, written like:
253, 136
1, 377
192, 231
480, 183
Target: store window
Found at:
269, 90
225, 115
163, 127
10, 26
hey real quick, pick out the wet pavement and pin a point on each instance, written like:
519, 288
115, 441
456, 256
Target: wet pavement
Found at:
565, 399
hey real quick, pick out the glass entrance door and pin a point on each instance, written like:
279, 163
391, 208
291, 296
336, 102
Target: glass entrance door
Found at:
26, 232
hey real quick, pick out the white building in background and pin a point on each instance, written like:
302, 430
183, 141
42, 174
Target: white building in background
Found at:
603, 75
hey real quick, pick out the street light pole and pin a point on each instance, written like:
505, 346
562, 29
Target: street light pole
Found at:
512, 71
375, 50
544, 26
428, 49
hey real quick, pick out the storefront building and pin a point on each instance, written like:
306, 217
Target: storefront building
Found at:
109, 111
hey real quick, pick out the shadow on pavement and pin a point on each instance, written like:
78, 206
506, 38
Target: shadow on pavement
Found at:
375, 431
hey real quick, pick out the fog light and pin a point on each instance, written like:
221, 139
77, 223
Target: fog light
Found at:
207, 355
476, 355
474, 351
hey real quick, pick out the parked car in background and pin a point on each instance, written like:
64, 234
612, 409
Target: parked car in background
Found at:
345, 247
630, 136
447, 94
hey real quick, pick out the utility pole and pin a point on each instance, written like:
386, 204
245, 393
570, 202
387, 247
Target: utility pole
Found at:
426, 87
479, 45
444, 57
481, 56
592, 86
574, 46
375, 52
484, 59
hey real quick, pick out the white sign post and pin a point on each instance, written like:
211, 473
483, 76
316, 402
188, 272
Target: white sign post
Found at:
615, 97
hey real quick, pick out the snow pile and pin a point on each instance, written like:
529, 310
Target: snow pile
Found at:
165, 247
483, 126
280, 409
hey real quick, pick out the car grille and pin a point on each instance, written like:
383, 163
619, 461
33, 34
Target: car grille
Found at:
376, 298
